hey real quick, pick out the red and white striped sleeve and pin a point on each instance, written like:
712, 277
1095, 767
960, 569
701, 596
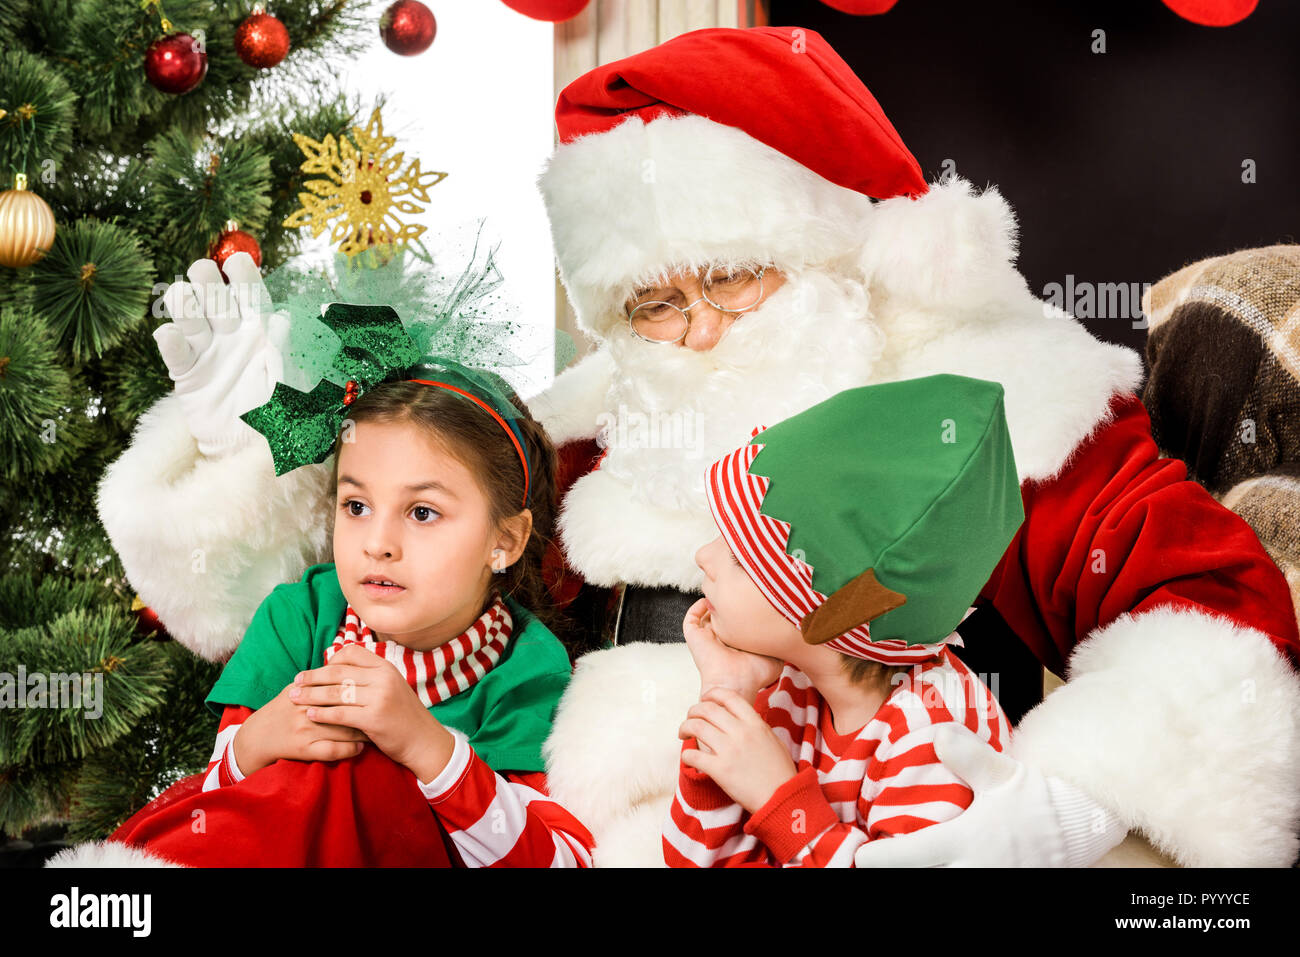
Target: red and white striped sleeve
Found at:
904, 787
913, 790
910, 787
222, 769
705, 827
797, 827
504, 820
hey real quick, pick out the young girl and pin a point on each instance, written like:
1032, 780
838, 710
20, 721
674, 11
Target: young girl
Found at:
857, 510
389, 708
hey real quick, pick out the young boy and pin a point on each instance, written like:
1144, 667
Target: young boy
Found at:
889, 504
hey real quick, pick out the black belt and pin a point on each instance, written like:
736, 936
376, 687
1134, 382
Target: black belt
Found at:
652, 614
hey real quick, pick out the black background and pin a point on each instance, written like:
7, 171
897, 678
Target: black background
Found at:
1122, 166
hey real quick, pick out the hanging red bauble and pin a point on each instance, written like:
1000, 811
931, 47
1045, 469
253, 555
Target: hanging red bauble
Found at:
407, 27
262, 40
175, 63
554, 11
1213, 13
861, 8
234, 240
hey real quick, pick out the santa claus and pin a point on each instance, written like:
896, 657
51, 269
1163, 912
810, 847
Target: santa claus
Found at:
743, 234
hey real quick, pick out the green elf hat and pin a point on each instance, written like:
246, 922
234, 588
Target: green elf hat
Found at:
302, 427
890, 504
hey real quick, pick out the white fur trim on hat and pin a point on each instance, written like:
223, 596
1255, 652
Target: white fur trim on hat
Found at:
1187, 726
205, 540
686, 192
952, 250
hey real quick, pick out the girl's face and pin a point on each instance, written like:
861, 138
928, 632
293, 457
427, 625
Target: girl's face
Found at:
739, 614
410, 513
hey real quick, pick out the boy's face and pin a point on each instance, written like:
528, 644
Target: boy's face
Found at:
739, 614
435, 542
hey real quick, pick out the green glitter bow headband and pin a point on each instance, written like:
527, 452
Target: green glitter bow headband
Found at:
301, 427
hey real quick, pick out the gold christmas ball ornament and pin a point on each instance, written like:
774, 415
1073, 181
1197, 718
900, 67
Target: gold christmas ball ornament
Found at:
26, 226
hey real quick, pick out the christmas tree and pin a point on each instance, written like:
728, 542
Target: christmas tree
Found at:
135, 138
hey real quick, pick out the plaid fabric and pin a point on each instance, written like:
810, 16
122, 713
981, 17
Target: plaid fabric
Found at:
1224, 387
1224, 354
759, 544
1270, 504
440, 672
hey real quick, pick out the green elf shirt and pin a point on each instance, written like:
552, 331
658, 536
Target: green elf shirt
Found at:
506, 714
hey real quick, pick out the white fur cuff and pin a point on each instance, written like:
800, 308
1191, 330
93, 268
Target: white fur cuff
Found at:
204, 541
612, 757
1188, 727
107, 854
571, 407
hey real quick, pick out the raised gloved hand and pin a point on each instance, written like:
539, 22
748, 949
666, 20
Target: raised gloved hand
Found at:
1019, 817
222, 349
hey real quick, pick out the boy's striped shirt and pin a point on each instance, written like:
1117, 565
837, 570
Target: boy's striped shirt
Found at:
881, 781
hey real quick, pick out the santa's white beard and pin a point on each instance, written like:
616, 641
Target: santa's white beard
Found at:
673, 411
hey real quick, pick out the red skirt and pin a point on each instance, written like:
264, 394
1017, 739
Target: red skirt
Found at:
365, 811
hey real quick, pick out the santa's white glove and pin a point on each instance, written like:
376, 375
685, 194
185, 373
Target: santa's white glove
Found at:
1018, 818
222, 349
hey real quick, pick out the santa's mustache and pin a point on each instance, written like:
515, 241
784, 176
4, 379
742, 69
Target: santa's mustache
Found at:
674, 410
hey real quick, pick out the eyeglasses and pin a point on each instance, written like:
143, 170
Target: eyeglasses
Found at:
666, 320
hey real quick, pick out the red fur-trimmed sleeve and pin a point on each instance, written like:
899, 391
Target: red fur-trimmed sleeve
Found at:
1121, 530
1181, 714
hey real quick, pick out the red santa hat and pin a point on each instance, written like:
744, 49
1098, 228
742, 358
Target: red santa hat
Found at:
716, 147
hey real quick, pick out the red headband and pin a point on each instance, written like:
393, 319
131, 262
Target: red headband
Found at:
514, 439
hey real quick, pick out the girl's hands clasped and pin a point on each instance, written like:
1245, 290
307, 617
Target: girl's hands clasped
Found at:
282, 729
360, 690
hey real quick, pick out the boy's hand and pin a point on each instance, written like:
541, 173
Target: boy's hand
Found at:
360, 690
281, 729
749, 761
722, 666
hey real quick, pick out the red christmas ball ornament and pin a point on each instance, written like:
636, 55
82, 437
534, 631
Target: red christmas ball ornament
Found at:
234, 240
407, 27
175, 63
262, 40
554, 11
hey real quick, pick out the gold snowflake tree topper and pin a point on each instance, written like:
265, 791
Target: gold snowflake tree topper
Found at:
363, 191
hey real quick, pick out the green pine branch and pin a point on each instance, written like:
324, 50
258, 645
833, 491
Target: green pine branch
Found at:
169, 743
129, 175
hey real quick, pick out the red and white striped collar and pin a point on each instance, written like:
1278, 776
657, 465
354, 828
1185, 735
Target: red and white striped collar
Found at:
441, 672
759, 543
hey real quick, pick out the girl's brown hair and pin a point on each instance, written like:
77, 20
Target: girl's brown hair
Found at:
477, 440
